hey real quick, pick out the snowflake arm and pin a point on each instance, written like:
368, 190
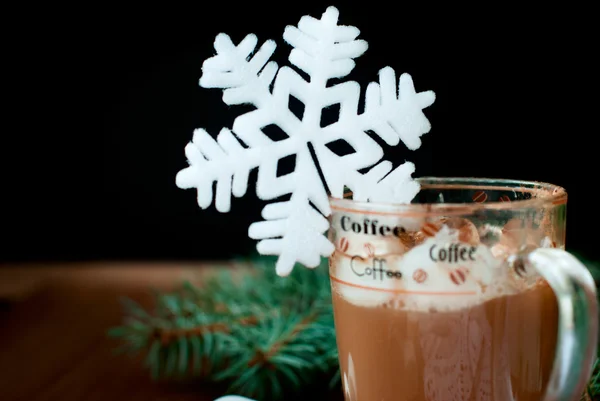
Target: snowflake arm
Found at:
224, 161
243, 80
377, 185
322, 48
393, 116
293, 229
397, 186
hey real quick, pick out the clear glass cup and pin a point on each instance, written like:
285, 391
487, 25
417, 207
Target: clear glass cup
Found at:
465, 294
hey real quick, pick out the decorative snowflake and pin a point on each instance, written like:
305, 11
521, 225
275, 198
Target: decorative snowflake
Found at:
294, 229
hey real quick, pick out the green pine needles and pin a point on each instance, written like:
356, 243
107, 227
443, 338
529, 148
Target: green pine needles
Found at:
264, 336
594, 384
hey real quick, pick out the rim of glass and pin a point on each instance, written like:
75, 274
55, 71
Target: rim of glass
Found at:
543, 195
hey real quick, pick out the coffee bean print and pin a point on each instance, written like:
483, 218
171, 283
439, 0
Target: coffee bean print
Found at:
344, 244
480, 197
430, 229
504, 198
420, 276
370, 250
458, 276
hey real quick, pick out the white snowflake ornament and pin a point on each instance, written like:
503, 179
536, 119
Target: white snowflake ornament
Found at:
294, 229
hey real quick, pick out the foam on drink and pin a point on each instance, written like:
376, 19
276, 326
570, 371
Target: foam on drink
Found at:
444, 272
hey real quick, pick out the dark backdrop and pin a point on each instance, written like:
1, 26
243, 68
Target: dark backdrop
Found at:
111, 98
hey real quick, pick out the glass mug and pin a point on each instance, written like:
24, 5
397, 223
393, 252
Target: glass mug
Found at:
464, 294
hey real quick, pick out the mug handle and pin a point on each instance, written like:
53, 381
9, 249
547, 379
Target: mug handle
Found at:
577, 339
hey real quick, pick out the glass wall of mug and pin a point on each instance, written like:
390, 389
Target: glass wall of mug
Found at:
440, 300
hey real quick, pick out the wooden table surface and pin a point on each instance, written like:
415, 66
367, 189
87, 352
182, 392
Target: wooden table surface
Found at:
53, 324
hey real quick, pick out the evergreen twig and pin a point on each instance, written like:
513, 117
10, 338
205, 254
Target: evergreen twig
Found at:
262, 334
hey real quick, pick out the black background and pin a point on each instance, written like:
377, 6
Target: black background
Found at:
108, 97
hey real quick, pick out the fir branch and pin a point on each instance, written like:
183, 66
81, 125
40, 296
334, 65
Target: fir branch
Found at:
167, 336
593, 387
262, 334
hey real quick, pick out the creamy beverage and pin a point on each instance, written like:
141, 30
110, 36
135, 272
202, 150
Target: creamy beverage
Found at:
499, 350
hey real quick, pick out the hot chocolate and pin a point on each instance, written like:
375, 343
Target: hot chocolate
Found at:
498, 350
